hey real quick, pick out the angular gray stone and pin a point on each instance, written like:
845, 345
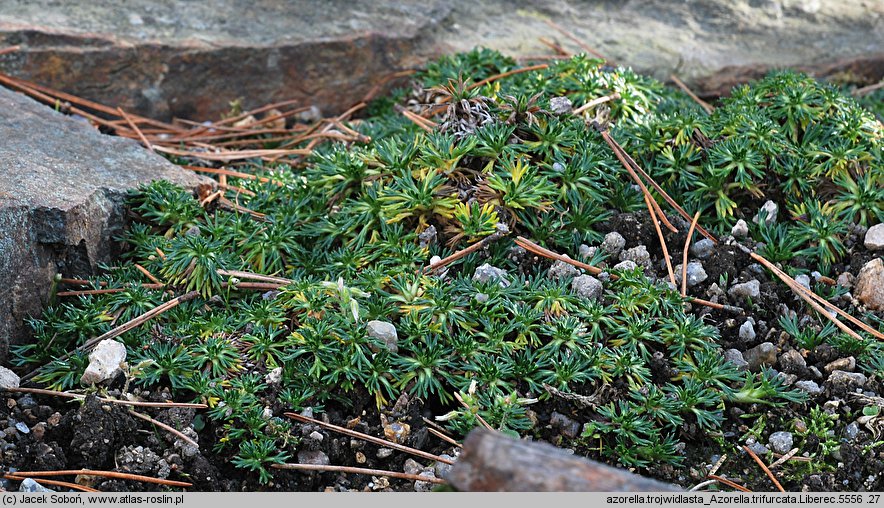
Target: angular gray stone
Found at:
625, 265
561, 270
314, 457
810, 387
736, 357
638, 255
487, 273
803, 279
62, 190
560, 105
565, 425
764, 354
875, 237
842, 382
747, 331
29, 485
8, 379
740, 229
770, 210
751, 289
613, 243
703, 248
696, 274
384, 332
587, 286
104, 362
870, 285
781, 442
791, 362
759, 449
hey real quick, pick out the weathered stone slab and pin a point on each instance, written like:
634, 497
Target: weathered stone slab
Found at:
62, 190
188, 59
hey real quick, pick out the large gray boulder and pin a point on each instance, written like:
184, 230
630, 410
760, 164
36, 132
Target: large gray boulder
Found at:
188, 59
62, 191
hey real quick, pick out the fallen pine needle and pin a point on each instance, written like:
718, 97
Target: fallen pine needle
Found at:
69, 395
359, 470
651, 210
595, 102
728, 483
684, 261
165, 427
764, 468
370, 439
443, 437
703, 104
56, 483
106, 474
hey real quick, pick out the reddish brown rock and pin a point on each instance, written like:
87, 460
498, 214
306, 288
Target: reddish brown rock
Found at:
189, 59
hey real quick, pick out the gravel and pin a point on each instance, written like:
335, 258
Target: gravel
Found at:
696, 274
762, 354
781, 442
625, 265
747, 331
560, 105
638, 255
750, 289
8, 379
562, 270
851, 431
587, 286
791, 362
385, 332
770, 210
804, 280
842, 382
809, 387
29, 485
740, 229
758, 448
104, 362
845, 364
314, 457
736, 357
567, 426
870, 285
486, 273
875, 237
613, 243
703, 248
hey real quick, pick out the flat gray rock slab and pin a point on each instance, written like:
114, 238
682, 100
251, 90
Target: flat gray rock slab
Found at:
183, 58
62, 192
